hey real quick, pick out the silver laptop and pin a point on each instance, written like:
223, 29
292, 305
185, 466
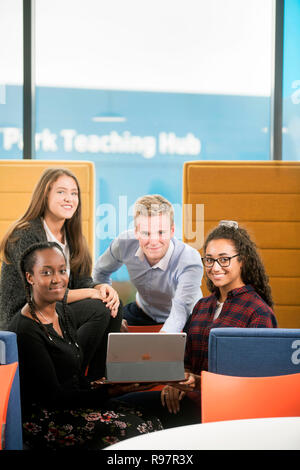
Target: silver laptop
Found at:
145, 357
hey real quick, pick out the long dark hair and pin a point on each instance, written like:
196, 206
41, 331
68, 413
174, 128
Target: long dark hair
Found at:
27, 263
253, 270
81, 261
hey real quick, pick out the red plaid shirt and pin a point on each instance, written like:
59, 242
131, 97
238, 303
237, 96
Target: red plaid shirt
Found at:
243, 308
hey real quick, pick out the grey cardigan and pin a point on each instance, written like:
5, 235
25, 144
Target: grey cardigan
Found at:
12, 291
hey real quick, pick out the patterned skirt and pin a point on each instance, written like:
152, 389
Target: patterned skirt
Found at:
88, 429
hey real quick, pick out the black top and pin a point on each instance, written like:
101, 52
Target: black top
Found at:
12, 292
50, 368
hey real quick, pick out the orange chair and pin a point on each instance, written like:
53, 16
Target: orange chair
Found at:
7, 373
225, 397
144, 328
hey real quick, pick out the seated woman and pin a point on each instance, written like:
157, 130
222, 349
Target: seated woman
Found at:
241, 297
54, 214
60, 407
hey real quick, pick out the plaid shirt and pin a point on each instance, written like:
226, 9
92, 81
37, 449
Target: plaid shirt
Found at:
243, 308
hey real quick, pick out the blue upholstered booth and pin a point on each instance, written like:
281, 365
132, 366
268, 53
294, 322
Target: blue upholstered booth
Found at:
254, 352
9, 354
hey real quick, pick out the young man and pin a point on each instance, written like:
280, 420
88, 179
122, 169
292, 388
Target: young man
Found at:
166, 272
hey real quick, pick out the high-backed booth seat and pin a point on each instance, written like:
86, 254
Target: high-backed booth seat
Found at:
13, 430
263, 197
254, 352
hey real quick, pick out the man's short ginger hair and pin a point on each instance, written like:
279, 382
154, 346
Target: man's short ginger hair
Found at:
153, 204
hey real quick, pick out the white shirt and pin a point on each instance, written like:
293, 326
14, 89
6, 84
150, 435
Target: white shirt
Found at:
163, 262
64, 246
218, 309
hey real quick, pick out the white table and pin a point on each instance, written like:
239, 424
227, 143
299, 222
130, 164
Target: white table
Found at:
245, 434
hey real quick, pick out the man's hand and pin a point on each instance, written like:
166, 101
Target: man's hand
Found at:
124, 326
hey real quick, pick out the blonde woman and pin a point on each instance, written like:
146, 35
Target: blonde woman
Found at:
54, 214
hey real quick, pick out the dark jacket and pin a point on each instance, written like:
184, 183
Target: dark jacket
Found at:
12, 291
50, 369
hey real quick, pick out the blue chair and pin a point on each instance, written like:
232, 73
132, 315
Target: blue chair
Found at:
9, 354
254, 352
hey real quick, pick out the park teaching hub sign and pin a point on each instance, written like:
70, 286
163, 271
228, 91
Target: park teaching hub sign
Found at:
69, 141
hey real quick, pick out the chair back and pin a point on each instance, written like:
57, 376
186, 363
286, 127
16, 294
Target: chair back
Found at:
263, 196
226, 398
144, 328
8, 355
7, 373
254, 352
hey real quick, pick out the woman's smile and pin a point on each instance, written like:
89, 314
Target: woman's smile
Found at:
225, 278
49, 279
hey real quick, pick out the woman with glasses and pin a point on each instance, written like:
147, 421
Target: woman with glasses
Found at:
240, 297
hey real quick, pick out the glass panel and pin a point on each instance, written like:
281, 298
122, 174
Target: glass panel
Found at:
11, 79
139, 87
291, 82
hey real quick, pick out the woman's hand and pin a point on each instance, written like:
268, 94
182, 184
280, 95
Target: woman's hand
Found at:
171, 397
109, 296
191, 383
103, 292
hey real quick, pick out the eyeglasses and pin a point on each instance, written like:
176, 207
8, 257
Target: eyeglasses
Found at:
223, 261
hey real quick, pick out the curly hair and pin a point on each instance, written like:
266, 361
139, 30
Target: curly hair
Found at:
253, 270
27, 263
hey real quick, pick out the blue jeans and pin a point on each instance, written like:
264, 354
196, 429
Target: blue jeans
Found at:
134, 315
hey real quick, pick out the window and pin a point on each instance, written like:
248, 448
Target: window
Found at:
138, 88
11, 79
291, 82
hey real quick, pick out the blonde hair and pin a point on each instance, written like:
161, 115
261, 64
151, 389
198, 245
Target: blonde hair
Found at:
153, 204
81, 261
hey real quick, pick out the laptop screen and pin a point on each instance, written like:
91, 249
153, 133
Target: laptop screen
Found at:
145, 357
